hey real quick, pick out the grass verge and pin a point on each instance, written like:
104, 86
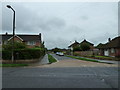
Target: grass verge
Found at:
13, 65
51, 59
85, 59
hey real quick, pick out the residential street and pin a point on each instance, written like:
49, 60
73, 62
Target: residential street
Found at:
54, 44
77, 75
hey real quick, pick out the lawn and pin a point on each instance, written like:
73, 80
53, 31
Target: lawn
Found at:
51, 59
102, 57
13, 65
85, 59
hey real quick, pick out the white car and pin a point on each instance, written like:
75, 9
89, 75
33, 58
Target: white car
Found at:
61, 54
57, 53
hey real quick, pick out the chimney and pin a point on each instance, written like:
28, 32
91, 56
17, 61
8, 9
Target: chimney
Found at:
6, 33
40, 37
109, 39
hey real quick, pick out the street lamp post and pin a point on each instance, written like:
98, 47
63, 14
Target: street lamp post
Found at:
8, 6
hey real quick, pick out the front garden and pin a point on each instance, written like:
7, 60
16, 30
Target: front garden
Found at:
21, 52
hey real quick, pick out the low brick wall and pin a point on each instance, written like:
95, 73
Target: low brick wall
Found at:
20, 61
27, 61
86, 53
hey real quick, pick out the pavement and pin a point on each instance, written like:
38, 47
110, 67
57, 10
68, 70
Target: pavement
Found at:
43, 61
104, 61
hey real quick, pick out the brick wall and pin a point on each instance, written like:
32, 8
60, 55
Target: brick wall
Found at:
86, 53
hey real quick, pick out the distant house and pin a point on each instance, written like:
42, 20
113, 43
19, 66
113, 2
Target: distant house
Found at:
30, 40
86, 42
75, 44
111, 48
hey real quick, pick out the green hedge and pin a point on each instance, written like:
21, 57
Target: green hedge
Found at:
23, 54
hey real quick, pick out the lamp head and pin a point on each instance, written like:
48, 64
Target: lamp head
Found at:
8, 6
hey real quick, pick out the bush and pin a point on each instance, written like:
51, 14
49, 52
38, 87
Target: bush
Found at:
23, 54
17, 45
6, 54
77, 48
85, 47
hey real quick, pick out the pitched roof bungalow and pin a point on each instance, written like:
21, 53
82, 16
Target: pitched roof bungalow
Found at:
30, 40
111, 48
78, 44
75, 44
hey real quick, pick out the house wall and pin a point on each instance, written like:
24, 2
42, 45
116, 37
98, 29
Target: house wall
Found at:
16, 39
117, 52
101, 52
32, 46
29, 46
38, 44
91, 47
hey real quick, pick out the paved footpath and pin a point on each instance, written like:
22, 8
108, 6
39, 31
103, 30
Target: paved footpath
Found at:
41, 62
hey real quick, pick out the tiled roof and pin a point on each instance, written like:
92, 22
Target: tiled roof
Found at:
24, 37
77, 43
74, 44
114, 43
85, 41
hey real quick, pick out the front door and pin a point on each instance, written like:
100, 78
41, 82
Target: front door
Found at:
106, 52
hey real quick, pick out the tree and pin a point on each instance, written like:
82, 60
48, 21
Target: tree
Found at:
56, 50
77, 48
85, 47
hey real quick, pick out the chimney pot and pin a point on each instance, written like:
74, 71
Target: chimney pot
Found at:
6, 33
109, 39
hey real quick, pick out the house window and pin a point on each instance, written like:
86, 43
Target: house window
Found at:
30, 43
112, 50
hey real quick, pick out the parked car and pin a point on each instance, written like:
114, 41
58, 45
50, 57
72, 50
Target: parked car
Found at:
61, 54
57, 53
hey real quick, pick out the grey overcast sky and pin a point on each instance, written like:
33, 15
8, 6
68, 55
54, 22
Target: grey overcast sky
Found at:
61, 23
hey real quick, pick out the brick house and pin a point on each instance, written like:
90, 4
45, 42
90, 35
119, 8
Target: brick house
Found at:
111, 48
30, 40
75, 44
90, 44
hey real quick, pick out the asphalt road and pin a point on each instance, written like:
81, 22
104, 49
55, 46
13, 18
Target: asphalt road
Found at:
60, 57
60, 77
67, 77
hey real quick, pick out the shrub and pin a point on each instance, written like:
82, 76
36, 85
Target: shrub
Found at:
6, 54
85, 47
77, 48
23, 54
17, 45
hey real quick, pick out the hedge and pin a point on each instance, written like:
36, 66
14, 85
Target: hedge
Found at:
22, 54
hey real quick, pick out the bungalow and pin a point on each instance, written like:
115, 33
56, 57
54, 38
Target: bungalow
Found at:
30, 40
75, 44
111, 48
90, 44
